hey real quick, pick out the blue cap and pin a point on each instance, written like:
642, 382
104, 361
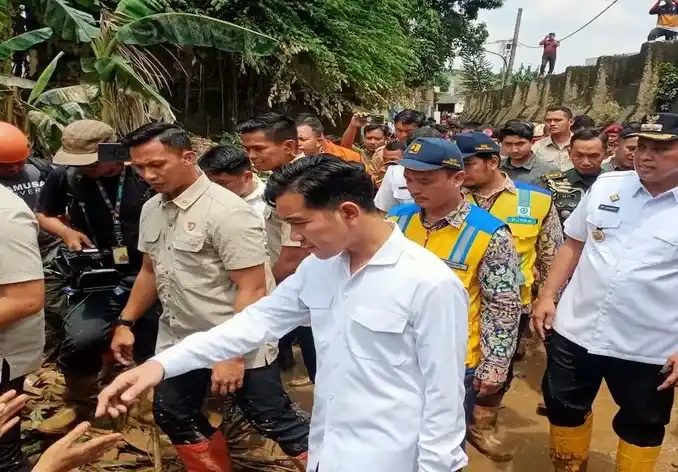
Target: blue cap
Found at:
432, 154
474, 143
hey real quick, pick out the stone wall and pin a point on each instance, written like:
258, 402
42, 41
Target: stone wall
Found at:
626, 80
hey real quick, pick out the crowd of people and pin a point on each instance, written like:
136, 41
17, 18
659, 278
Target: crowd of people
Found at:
409, 263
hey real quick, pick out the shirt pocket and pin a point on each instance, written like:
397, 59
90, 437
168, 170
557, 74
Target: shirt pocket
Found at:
187, 265
662, 246
378, 336
401, 194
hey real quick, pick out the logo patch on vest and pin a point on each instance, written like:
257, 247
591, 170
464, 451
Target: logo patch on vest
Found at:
455, 265
521, 220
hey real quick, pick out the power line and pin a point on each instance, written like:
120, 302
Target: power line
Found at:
577, 30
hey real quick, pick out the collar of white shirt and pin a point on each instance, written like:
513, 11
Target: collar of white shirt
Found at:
258, 190
388, 253
636, 185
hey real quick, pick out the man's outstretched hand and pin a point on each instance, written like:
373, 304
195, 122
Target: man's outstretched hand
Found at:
127, 387
68, 453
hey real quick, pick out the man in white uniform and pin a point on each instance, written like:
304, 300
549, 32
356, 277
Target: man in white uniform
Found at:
390, 325
617, 319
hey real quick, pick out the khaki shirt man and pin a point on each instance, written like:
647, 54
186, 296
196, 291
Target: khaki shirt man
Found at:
548, 151
22, 341
194, 241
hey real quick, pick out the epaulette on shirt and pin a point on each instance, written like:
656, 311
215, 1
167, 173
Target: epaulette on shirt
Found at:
555, 174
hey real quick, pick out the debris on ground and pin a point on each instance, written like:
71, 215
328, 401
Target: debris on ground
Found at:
144, 447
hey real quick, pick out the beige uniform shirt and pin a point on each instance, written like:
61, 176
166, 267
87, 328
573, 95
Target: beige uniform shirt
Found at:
194, 241
548, 151
22, 342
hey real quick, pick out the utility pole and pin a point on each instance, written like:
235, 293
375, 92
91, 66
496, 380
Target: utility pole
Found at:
514, 46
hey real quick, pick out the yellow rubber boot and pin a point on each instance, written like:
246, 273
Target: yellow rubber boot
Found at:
570, 447
632, 458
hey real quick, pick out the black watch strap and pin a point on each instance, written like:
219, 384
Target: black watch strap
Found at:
121, 322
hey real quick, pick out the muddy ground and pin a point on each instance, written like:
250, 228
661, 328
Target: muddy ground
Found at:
528, 433
145, 450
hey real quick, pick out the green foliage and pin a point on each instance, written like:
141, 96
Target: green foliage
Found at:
443, 81
477, 75
194, 30
44, 78
24, 42
70, 23
667, 87
524, 75
609, 112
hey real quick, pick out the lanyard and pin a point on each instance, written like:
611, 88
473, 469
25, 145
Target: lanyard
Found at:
115, 210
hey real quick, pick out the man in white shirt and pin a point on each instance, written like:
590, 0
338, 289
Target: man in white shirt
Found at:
229, 166
617, 318
390, 326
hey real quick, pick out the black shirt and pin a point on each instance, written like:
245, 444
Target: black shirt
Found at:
27, 185
66, 192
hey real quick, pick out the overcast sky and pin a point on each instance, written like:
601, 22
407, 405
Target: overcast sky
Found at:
622, 29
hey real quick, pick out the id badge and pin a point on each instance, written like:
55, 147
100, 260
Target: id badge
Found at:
120, 255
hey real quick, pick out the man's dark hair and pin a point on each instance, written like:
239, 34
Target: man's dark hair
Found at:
519, 128
423, 132
472, 125
581, 122
324, 181
372, 127
306, 119
275, 126
442, 129
410, 117
171, 135
562, 108
227, 158
589, 135
395, 146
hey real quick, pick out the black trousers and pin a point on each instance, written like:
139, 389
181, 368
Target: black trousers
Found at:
304, 336
656, 33
178, 402
88, 327
573, 378
550, 60
12, 458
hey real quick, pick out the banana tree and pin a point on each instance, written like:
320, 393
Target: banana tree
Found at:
130, 78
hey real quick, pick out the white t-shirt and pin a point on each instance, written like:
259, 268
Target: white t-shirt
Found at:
393, 190
256, 198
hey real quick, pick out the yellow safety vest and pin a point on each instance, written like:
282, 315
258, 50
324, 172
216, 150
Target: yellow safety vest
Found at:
462, 249
524, 212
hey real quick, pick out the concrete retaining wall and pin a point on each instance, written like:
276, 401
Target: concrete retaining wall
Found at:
627, 80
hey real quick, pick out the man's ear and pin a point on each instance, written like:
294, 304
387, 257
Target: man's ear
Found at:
189, 157
349, 210
291, 147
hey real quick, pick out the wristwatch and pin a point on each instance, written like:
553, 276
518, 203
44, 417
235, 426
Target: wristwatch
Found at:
121, 322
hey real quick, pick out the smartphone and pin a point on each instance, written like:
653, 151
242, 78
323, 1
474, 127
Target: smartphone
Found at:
112, 152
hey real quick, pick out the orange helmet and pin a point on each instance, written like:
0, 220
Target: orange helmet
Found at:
14, 145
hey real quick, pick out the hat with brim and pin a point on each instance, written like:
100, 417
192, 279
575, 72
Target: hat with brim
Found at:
655, 136
80, 140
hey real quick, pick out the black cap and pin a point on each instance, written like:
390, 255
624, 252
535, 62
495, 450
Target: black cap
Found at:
659, 127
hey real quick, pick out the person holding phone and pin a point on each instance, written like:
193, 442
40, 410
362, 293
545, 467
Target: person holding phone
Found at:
616, 320
93, 200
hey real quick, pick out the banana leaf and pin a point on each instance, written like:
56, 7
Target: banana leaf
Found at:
48, 129
4, 12
44, 78
114, 68
68, 22
82, 94
23, 42
16, 82
130, 10
195, 30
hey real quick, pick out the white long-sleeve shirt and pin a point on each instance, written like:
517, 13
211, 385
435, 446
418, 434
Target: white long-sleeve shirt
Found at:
390, 342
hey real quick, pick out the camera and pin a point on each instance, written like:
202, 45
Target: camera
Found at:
88, 270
